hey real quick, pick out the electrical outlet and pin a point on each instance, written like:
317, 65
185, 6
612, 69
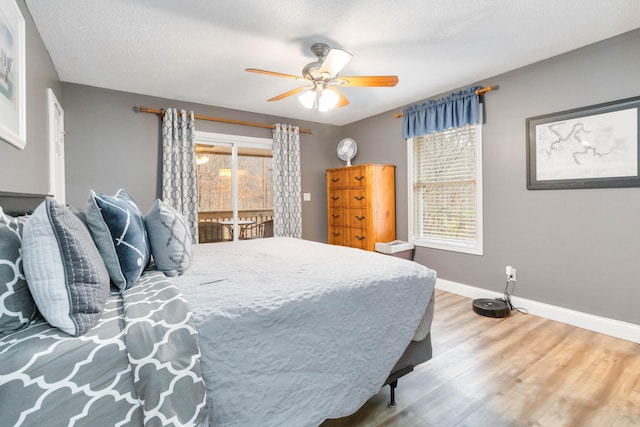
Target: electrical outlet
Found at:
511, 274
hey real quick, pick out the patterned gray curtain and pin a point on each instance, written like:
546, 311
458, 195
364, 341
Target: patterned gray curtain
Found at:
287, 203
179, 166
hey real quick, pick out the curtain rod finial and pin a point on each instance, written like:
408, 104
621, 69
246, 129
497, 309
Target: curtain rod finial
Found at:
487, 89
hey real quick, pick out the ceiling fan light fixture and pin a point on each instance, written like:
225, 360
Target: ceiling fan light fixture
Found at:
328, 100
308, 98
319, 99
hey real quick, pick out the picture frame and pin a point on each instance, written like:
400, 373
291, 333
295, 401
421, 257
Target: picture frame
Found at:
13, 122
588, 147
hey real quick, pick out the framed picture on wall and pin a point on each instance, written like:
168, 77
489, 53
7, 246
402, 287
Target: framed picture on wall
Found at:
13, 122
589, 147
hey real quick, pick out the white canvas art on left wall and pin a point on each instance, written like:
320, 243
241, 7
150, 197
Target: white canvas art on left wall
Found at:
13, 128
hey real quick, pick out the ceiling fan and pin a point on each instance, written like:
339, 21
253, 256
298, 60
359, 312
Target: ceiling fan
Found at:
322, 79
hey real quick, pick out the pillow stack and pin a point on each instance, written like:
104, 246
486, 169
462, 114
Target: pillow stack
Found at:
71, 259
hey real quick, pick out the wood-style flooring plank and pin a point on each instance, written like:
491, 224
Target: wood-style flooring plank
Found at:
598, 397
529, 393
521, 370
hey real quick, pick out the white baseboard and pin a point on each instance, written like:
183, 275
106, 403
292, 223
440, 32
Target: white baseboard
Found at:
603, 325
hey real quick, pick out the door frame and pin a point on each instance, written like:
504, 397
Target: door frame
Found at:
56, 148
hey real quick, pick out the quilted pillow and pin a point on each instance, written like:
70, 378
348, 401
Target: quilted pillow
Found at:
16, 305
117, 227
169, 237
64, 270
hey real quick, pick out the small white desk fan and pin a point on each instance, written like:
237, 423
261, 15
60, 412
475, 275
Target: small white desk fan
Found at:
347, 150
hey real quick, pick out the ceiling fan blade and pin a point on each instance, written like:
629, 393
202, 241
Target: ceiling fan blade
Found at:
380, 81
342, 100
273, 73
334, 62
284, 95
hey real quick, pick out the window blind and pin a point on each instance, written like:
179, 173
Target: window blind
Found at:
444, 186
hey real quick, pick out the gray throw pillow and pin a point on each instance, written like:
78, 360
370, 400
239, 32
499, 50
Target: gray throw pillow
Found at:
17, 307
169, 237
64, 270
117, 227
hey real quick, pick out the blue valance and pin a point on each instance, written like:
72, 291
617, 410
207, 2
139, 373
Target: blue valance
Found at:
456, 110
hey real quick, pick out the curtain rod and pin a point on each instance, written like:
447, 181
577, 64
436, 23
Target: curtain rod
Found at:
480, 91
217, 119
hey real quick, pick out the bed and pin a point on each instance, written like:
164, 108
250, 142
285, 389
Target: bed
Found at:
275, 331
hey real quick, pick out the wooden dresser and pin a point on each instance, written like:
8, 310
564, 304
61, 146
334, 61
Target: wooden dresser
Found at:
361, 205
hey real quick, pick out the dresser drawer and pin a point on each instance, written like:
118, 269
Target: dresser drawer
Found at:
338, 198
337, 179
358, 177
357, 217
358, 238
338, 216
358, 198
338, 235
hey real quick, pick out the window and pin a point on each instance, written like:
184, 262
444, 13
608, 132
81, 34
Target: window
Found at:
445, 197
234, 185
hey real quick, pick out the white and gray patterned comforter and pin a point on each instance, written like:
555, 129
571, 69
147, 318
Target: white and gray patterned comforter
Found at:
138, 366
293, 332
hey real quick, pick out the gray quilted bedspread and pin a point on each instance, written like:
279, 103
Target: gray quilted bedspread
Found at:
293, 331
139, 366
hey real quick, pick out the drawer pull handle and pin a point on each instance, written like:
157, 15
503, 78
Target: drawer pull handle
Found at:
359, 178
335, 198
360, 218
358, 198
335, 179
361, 238
335, 234
335, 215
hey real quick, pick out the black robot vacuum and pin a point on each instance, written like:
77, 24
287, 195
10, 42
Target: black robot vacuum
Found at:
491, 307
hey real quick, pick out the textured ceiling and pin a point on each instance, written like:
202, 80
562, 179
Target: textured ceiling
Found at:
197, 50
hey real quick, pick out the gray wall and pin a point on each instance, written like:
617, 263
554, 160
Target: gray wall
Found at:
572, 248
110, 146
27, 171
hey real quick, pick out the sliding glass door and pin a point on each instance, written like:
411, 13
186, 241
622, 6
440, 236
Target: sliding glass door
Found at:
235, 187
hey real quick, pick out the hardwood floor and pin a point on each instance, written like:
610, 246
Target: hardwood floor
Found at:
521, 370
